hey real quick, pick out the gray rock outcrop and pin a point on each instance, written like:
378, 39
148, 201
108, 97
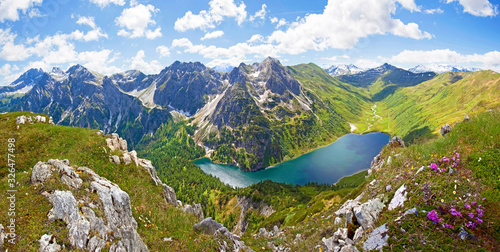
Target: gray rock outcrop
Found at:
41, 172
376, 164
48, 244
208, 226
398, 199
212, 227
445, 129
367, 213
115, 142
377, 239
195, 209
358, 234
86, 230
28, 119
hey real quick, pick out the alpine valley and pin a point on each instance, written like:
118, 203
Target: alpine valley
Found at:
108, 160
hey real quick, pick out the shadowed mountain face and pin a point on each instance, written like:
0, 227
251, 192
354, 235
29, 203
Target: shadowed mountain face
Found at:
81, 98
186, 86
23, 84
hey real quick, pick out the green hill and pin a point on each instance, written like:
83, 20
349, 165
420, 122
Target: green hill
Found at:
419, 111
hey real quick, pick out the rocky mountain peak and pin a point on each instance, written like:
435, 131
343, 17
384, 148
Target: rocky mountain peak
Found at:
271, 75
385, 67
186, 67
81, 74
57, 71
29, 76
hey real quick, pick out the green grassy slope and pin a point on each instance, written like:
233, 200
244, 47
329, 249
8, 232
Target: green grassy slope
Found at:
83, 147
345, 99
420, 111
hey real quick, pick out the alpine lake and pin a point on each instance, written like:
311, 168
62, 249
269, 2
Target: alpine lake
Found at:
348, 155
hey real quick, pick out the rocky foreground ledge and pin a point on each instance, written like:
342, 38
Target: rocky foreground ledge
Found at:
93, 221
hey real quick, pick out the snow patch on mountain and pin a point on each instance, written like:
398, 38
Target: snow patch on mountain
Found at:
342, 69
440, 68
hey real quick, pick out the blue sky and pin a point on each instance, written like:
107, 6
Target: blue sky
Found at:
110, 36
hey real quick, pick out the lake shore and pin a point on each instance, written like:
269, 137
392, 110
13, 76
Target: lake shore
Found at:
328, 164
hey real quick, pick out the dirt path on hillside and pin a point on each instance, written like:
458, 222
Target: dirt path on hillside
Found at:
373, 118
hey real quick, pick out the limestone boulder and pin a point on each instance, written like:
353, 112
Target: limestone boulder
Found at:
445, 129
398, 199
208, 226
195, 209
368, 212
41, 172
377, 239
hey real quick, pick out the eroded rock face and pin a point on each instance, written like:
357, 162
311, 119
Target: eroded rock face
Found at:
246, 204
399, 198
377, 239
41, 172
211, 227
48, 244
194, 209
367, 213
169, 195
445, 129
87, 231
116, 143
21, 120
376, 163
208, 226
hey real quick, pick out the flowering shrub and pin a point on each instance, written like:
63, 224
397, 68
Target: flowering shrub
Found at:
454, 212
471, 219
433, 216
446, 162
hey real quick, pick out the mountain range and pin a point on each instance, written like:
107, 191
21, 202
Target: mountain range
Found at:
253, 116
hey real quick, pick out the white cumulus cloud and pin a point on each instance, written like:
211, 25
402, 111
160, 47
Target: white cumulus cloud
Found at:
138, 62
343, 23
489, 60
6, 69
480, 8
136, 20
94, 34
434, 11
104, 3
163, 51
219, 9
256, 38
9, 9
211, 35
278, 22
261, 14
100, 61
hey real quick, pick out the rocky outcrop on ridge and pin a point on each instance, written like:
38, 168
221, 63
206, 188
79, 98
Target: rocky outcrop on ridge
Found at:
246, 204
93, 222
227, 240
115, 142
20, 120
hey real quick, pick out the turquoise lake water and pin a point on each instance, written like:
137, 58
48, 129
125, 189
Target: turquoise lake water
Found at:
346, 156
